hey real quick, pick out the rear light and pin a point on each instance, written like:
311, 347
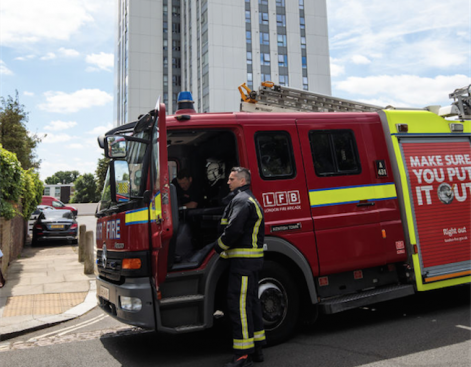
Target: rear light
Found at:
38, 226
131, 264
73, 226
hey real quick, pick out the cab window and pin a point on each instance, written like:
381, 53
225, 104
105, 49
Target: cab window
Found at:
334, 152
275, 155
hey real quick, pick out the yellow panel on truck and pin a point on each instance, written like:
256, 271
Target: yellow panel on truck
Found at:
432, 167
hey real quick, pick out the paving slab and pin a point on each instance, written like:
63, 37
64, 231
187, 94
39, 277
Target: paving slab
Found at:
45, 286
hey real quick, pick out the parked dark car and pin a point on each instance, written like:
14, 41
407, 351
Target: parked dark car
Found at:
35, 215
55, 225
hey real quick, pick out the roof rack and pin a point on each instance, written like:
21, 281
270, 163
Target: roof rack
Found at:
277, 98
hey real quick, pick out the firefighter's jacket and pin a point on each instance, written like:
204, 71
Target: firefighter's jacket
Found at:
243, 229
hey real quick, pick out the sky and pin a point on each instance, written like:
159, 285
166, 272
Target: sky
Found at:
58, 55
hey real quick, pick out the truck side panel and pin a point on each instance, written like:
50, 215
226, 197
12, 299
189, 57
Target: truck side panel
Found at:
352, 192
433, 166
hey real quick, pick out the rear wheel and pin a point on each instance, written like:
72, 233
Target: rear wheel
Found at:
279, 298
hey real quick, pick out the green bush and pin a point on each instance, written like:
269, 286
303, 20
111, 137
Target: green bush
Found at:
32, 193
16, 184
11, 183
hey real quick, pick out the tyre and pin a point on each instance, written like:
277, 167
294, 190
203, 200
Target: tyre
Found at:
279, 298
34, 241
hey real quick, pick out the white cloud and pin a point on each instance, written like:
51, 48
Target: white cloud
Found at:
99, 130
68, 52
62, 102
49, 56
335, 68
4, 70
28, 94
24, 58
360, 60
402, 90
60, 125
27, 22
76, 146
407, 35
52, 138
102, 61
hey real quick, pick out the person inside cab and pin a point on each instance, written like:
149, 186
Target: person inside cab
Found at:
188, 194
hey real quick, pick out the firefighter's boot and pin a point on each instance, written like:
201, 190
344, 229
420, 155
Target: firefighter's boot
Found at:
240, 361
257, 355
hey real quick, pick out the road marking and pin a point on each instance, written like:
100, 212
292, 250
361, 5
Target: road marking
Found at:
5, 346
464, 327
85, 323
79, 327
79, 337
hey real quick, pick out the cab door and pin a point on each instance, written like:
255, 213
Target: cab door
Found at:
160, 215
340, 155
278, 182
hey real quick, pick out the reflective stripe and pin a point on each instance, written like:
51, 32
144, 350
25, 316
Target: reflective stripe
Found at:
257, 224
352, 194
242, 344
243, 307
242, 252
156, 208
221, 245
259, 336
137, 216
224, 221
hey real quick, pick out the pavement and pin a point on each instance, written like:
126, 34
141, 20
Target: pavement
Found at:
44, 286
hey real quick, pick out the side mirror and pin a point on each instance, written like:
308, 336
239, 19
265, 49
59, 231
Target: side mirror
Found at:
115, 146
101, 141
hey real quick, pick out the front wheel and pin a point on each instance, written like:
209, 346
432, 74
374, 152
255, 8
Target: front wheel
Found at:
279, 298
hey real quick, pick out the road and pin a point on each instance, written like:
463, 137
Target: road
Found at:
89, 221
429, 329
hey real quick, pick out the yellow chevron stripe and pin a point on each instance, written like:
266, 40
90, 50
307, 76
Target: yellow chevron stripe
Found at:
137, 216
351, 194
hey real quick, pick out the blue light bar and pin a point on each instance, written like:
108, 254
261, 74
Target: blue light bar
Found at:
185, 97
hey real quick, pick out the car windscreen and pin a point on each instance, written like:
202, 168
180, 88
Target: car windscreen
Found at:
57, 214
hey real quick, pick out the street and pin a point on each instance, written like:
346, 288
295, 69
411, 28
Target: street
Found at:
432, 328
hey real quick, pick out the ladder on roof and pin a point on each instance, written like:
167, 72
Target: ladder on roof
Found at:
276, 98
461, 105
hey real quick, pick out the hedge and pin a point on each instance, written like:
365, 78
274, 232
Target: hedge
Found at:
16, 184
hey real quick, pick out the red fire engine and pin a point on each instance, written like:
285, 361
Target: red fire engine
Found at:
360, 206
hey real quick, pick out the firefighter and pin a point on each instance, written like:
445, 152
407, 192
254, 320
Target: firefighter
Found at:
241, 243
188, 194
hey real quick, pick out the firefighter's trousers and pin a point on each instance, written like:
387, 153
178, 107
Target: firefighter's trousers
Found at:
245, 311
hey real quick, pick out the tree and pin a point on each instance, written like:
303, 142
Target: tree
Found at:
13, 133
85, 189
100, 174
62, 177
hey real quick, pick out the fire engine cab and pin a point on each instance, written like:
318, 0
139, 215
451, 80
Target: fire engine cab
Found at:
362, 204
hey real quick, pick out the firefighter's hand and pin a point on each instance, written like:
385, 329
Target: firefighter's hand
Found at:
216, 247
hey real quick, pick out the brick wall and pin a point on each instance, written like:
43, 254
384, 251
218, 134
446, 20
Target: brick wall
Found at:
12, 239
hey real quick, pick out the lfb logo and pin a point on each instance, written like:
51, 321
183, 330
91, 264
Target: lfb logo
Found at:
280, 198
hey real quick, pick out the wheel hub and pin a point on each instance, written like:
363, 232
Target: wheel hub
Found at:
274, 304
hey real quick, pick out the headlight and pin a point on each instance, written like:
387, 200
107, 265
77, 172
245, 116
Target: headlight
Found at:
130, 303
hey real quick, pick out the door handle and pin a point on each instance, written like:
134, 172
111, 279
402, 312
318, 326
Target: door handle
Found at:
366, 204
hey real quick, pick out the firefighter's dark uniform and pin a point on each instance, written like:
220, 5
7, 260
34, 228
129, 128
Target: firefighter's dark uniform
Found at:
242, 244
